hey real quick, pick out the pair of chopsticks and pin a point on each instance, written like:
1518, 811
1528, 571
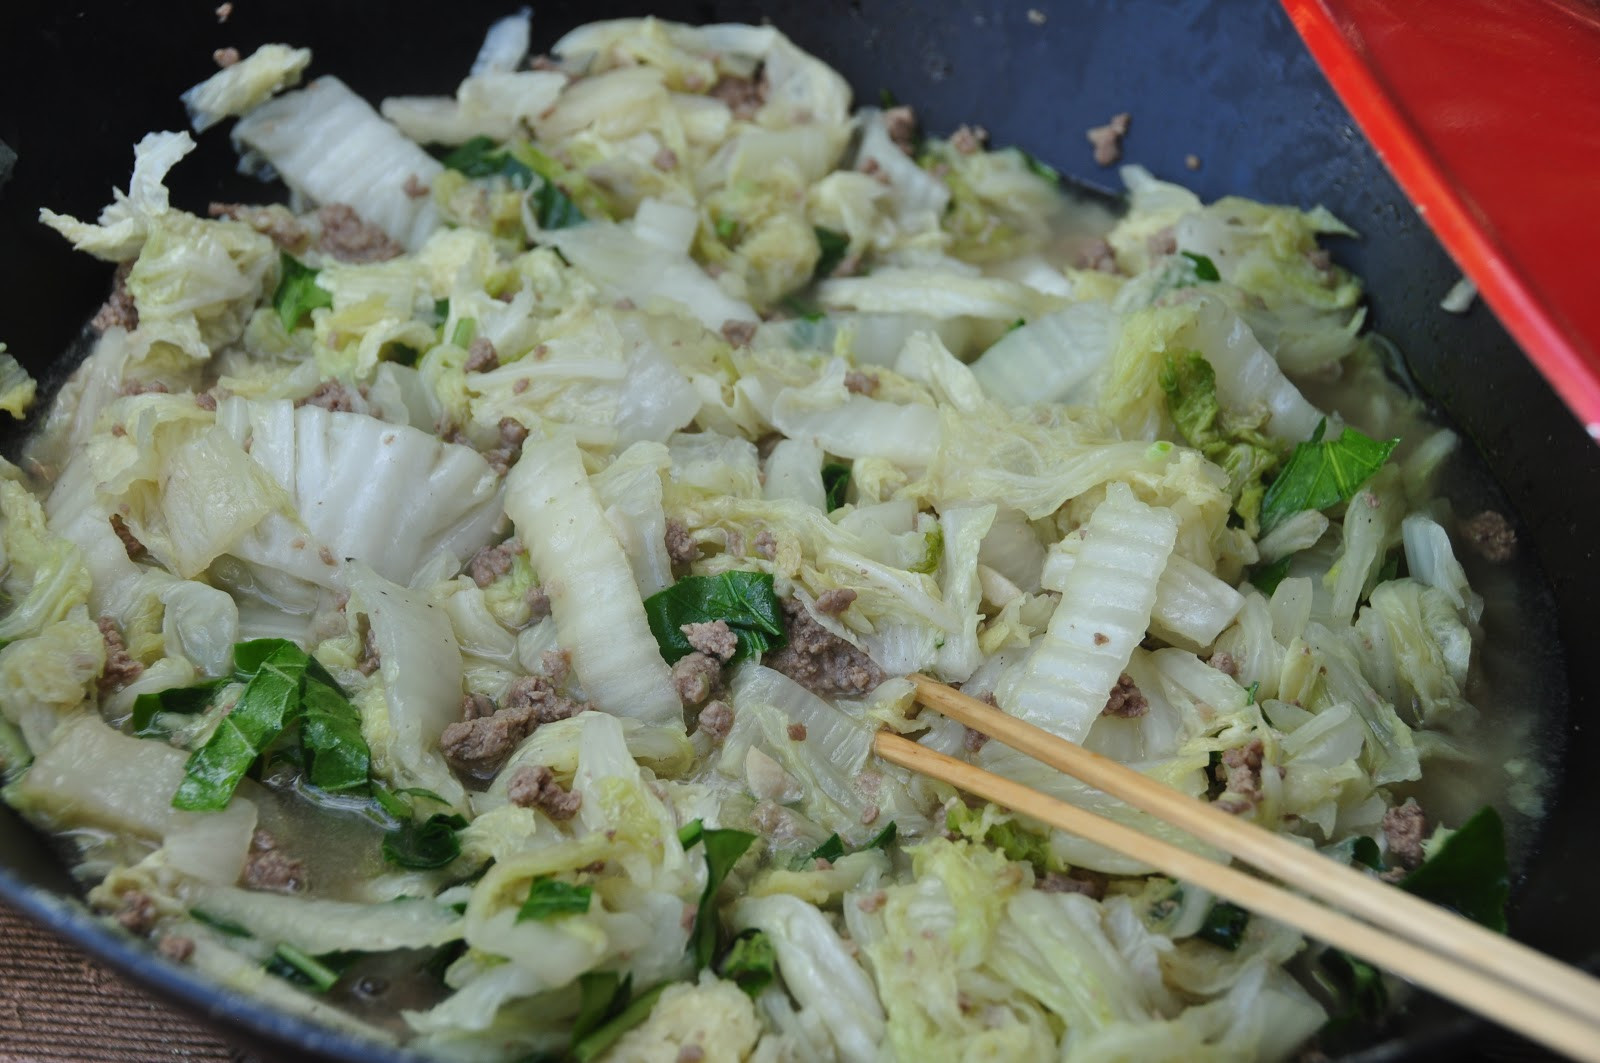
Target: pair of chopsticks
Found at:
1523, 990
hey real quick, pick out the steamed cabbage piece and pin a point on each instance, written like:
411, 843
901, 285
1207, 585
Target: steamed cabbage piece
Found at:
691, 299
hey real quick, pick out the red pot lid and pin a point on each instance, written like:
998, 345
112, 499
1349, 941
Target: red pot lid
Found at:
1488, 114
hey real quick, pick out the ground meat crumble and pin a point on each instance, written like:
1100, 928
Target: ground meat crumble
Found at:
680, 546
1241, 768
1490, 534
1404, 827
119, 310
715, 720
901, 125
535, 786
858, 383
492, 562
744, 96
477, 744
714, 638
694, 678
136, 550
269, 868
739, 333
347, 238
819, 660
1126, 701
121, 669
331, 396
481, 356
836, 601
1107, 139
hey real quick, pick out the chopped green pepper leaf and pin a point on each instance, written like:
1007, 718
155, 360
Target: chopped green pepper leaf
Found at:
426, 845
265, 708
595, 1044
831, 849
1233, 441
1224, 925
297, 293
1267, 577
601, 994
1321, 474
1357, 983
835, 483
1468, 872
553, 208
336, 755
1204, 268
318, 973
219, 924
745, 600
833, 246
183, 700
723, 849
751, 962
551, 897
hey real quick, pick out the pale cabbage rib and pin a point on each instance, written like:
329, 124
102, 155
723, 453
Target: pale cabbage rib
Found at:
1104, 613
327, 143
419, 690
593, 596
1190, 602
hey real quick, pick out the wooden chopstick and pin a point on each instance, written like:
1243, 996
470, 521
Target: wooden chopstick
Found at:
1576, 1034
1437, 929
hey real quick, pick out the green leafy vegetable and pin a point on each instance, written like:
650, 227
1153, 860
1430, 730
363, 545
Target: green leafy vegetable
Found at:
834, 847
551, 897
337, 757
1012, 840
594, 1044
297, 293
1358, 984
1224, 925
1390, 568
1267, 577
933, 555
265, 708
802, 308
601, 994
1468, 872
525, 167
464, 332
285, 687
1234, 442
833, 245
1251, 691
1321, 474
835, 483
1018, 323
830, 850
726, 229
745, 600
723, 849
884, 838
318, 973
478, 157
1204, 268
1364, 851
751, 962
179, 700
553, 208
426, 845
219, 924
1042, 170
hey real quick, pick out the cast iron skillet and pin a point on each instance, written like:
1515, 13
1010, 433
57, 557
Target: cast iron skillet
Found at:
1229, 82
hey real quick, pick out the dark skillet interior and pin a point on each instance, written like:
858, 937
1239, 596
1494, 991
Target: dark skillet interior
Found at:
1229, 82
